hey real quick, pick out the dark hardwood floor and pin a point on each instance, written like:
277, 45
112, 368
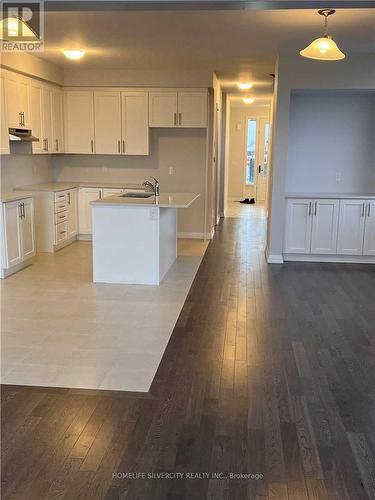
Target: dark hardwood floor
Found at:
270, 371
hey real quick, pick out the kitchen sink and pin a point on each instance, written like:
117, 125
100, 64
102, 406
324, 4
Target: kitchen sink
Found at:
136, 195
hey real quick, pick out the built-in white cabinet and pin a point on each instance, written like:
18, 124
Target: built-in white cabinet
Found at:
178, 109
79, 122
36, 103
351, 227
17, 234
86, 196
311, 226
369, 237
107, 119
17, 91
57, 121
329, 227
47, 120
134, 120
4, 136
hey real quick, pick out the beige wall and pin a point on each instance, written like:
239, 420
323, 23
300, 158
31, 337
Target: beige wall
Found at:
182, 149
237, 149
20, 170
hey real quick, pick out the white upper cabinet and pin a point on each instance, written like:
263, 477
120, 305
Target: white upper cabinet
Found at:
17, 92
369, 238
4, 136
163, 109
192, 109
298, 226
57, 123
325, 215
178, 109
351, 227
79, 122
36, 115
107, 119
135, 130
47, 107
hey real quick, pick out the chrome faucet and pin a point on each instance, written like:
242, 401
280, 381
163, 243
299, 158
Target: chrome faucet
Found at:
155, 187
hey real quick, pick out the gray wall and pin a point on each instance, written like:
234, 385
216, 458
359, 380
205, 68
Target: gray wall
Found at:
331, 135
20, 170
182, 149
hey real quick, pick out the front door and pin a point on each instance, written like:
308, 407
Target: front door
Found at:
263, 159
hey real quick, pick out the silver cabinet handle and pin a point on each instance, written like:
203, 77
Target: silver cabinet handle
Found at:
100, 194
47, 144
369, 209
123, 146
179, 119
175, 118
57, 144
20, 211
23, 118
363, 209
20, 118
316, 206
309, 208
119, 146
69, 197
92, 145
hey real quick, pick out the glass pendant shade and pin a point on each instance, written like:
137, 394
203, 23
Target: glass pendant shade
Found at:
323, 49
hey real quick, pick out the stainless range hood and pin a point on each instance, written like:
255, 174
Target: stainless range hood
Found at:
20, 134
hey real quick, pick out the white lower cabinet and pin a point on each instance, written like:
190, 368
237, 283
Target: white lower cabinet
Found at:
86, 196
17, 234
329, 227
369, 237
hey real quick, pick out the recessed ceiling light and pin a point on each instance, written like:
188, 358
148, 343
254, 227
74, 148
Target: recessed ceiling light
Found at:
324, 48
74, 54
248, 100
244, 85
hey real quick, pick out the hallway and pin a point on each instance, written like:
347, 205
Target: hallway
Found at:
256, 379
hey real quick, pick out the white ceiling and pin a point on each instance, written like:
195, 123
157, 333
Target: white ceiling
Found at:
236, 44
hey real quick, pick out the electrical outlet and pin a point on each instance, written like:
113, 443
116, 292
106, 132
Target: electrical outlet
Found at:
338, 176
171, 170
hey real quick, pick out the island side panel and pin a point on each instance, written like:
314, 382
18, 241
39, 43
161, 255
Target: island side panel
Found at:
125, 244
167, 239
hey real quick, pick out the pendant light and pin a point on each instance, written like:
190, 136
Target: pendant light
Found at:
324, 48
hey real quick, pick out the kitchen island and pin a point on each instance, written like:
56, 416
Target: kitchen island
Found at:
135, 238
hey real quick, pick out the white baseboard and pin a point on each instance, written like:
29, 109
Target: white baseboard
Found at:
14, 269
273, 259
343, 259
191, 236
84, 237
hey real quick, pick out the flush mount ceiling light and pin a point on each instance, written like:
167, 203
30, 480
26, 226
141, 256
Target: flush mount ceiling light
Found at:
74, 54
244, 85
248, 100
324, 48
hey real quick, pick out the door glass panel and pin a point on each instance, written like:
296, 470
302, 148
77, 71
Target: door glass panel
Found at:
251, 151
266, 148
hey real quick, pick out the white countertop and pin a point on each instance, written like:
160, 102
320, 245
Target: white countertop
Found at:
334, 196
171, 200
62, 186
14, 196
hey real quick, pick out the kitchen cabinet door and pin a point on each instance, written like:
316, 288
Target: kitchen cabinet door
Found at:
57, 122
163, 109
369, 239
79, 122
351, 227
86, 196
47, 119
36, 114
72, 213
17, 94
107, 119
298, 226
135, 130
12, 251
192, 109
325, 216
4, 136
27, 229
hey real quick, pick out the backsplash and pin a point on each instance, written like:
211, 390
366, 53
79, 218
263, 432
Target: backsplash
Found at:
20, 170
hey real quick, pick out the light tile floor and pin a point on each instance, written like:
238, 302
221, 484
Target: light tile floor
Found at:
59, 329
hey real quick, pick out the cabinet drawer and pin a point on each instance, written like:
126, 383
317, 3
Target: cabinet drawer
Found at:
61, 232
61, 207
61, 196
61, 217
